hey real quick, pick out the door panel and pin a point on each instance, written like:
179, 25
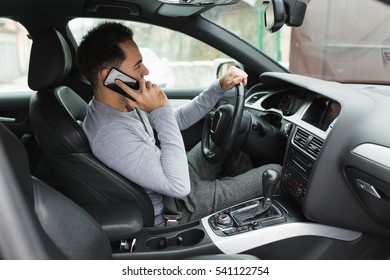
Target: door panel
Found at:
14, 114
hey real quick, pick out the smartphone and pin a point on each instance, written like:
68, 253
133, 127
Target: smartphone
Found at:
115, 74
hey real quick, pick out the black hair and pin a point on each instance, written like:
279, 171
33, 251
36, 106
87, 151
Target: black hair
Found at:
99, 48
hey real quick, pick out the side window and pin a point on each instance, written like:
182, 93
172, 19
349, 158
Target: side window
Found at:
15, 49
171, 57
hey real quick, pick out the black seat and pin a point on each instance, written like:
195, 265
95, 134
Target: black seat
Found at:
56, 113
48, 225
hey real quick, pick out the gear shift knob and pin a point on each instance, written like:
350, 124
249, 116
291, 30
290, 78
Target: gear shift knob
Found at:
270, 179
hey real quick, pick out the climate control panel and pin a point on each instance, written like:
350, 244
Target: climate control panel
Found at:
296, 173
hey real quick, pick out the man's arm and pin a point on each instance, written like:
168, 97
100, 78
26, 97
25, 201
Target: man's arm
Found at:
194, 111
126, 148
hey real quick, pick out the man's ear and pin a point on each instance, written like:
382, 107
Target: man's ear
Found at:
104, 73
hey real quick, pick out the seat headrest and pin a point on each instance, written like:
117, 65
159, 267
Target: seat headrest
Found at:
50, 60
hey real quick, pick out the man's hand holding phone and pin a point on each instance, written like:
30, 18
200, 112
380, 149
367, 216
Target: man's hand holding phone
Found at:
148, 98
116, 74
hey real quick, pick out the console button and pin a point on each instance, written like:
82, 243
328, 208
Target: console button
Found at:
256, 225
231, 231
224, 219
243, 229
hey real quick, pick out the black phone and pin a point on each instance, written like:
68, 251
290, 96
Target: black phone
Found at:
116, 74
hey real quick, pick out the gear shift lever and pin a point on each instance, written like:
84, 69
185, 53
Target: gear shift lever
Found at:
270, 179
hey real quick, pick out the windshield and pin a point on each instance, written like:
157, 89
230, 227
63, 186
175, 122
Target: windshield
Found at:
344, 41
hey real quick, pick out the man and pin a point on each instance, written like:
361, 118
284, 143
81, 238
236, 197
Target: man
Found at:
120, 130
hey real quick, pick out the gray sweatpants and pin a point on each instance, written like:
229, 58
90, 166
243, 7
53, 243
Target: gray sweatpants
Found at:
209, 193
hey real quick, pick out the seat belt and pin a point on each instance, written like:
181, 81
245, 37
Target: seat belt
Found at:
171, 215
142, 120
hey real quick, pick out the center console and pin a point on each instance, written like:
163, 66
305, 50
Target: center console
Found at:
270, 227
301, 156
275, 234
252, 215
193, 238
196, 238
204, 237
228, 222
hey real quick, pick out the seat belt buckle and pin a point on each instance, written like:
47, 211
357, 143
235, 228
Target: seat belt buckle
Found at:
172, 220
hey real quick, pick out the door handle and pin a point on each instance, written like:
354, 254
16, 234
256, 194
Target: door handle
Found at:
7, 120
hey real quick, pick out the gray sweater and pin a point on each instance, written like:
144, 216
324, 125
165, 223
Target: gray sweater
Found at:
125, 142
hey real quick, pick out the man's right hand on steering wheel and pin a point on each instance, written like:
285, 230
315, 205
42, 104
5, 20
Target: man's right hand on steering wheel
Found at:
233, 76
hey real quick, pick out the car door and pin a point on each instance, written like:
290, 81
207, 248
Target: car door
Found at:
14, 113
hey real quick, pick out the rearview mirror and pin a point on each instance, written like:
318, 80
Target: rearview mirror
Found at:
280, 12
274, 15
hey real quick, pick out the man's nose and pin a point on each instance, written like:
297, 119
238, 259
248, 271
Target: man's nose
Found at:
145, 71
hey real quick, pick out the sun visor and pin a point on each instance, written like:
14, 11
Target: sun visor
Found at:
178, 11
184, 8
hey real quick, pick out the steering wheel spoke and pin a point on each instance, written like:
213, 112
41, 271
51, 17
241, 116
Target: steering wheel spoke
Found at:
221, 127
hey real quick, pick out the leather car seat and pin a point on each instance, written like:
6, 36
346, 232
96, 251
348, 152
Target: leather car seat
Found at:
56, 113
62, 229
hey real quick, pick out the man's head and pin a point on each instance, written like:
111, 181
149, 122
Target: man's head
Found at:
109, 45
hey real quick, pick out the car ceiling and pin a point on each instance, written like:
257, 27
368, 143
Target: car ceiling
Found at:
80, 8
141, 9
41, 13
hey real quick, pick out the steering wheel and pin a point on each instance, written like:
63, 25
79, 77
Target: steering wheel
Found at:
220, 128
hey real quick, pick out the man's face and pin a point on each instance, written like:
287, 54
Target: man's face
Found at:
132, 65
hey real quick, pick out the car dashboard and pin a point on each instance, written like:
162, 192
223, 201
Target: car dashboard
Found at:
335, 179
335, 165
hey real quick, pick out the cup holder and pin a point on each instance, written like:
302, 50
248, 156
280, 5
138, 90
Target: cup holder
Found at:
185, 239
191, 237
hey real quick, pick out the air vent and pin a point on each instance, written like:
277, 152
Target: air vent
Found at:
300, 138
314, 146
308, 143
